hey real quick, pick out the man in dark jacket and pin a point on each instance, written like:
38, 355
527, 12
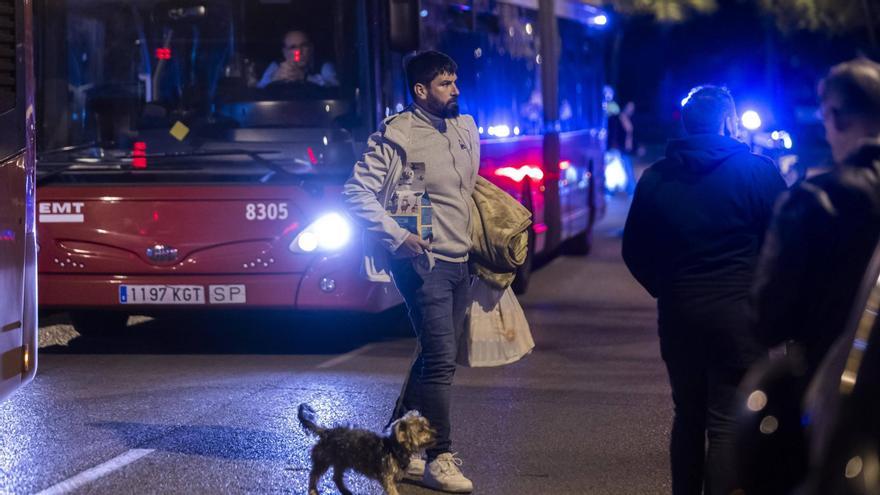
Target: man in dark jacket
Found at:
692, 239
825, 229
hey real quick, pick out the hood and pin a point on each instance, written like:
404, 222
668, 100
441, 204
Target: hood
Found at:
702, 153
397, 128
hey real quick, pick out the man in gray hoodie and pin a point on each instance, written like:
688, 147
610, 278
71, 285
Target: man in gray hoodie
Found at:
411, 191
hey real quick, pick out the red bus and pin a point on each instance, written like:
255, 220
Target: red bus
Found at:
18, 246
173, 173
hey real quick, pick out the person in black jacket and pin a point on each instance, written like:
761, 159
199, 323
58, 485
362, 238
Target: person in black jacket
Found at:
825, 230
692, 239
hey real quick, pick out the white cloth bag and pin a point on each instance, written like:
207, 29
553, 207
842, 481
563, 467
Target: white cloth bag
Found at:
496, 331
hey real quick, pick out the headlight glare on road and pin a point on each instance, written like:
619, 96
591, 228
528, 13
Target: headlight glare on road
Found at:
329, 232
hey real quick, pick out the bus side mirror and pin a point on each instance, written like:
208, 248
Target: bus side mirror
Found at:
404, 25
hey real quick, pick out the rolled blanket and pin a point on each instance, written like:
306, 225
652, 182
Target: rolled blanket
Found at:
499, 234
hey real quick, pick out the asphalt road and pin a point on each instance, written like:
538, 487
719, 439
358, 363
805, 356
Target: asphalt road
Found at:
199, 404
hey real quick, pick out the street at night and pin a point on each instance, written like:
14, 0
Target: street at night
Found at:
385, 247
197, 407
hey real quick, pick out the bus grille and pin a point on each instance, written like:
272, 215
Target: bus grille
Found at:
7, 55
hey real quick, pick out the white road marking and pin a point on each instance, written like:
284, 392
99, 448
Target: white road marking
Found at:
96, 472
345, 357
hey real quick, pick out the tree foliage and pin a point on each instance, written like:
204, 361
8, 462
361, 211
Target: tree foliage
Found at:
665, 10
839, 17
836, 16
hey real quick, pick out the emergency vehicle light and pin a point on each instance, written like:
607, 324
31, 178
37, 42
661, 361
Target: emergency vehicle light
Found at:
751, 120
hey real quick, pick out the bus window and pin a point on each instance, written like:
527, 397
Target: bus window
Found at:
580, 77
497, 51
181, 76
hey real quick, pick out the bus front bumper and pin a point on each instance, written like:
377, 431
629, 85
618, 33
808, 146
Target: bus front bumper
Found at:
343, 291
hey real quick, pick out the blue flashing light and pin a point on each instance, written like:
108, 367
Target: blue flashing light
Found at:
499, 131
423, 13
751, 120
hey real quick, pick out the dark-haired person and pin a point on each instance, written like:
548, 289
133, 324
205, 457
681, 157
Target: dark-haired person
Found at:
825, 229
692, 239
427, 155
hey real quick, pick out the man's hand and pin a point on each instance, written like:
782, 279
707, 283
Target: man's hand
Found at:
413, 246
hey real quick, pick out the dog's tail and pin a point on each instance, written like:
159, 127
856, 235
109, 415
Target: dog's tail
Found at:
306, 417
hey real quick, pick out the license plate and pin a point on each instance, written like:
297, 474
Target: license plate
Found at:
227, 294
161, 294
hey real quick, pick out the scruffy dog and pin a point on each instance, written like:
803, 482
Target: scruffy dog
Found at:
381, 458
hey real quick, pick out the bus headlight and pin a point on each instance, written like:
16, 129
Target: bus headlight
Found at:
328, 233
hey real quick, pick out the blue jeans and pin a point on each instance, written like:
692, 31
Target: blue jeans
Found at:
437, 302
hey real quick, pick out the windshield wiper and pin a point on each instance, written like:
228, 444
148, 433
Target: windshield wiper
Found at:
76, 147
256, 155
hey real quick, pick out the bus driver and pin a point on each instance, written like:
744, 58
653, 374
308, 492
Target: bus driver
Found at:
298, 64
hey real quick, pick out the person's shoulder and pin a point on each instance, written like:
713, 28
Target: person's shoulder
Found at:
466, 121
395, 128
761, 160
653, 175
397, 119
756, 165
660, 167
812, 191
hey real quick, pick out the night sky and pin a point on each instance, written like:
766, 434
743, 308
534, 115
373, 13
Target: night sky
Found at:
739, 47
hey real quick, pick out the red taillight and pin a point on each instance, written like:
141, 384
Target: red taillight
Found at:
297, 55
518, 174
139, 154
312, 157
163, 53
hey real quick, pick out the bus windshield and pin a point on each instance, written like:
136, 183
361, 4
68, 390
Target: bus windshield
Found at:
198, 77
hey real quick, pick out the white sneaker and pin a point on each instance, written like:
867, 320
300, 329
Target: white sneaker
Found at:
416, 468
443, 474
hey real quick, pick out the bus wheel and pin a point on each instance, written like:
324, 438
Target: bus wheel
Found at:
524, 272
98, 323
579, 245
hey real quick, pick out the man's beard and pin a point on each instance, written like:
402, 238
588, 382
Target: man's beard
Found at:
447, 111
451, 109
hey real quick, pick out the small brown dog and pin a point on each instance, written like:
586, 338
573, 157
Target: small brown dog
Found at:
381, 458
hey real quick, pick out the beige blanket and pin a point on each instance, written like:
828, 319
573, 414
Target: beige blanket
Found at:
499, 232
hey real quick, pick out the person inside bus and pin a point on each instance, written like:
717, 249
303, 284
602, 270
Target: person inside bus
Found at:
431, 273
299, 64
692, 238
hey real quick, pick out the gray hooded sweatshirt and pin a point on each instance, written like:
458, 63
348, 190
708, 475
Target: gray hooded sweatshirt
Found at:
444, 155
